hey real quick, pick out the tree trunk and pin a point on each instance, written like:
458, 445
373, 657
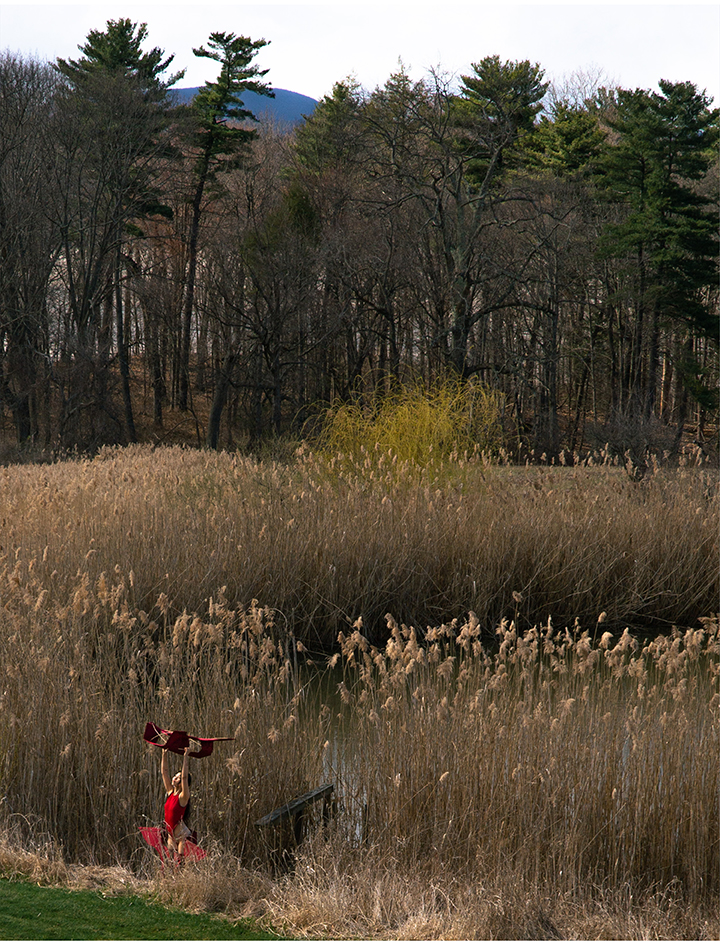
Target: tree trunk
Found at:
189, 300
222, 386
123, 351
653, 363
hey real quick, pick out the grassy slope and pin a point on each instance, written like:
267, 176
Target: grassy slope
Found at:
29, 912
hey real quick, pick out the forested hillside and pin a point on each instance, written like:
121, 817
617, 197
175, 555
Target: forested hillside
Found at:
165, 266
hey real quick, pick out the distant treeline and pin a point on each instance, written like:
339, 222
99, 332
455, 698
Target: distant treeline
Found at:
558, 245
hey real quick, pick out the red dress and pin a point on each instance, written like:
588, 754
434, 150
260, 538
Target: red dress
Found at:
157, 838
174, 812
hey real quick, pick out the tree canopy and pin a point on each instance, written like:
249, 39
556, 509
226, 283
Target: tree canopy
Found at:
555, 245
118, 49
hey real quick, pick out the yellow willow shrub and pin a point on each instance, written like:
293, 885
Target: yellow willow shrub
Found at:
567, 763
417, 425
77, 685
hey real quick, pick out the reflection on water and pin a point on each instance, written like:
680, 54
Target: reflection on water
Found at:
342, 759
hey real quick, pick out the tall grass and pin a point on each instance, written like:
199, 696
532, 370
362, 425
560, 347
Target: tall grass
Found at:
173, 586
324, 545
79, 683
560, 762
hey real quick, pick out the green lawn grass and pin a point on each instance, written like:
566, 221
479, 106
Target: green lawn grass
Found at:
29, 912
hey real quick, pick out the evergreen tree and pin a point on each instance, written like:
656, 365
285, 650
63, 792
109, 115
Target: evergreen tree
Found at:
110, 126
330, 136
497, 108
660, 145
221, 136
118, 49
566, 141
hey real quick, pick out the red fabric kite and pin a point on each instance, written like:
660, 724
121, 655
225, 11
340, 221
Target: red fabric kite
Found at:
155, 836
177, 741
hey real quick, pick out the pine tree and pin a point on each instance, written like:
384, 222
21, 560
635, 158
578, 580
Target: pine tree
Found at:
496, 110
329, 137
566, 141
221, 136
118, 49
111, 123
660, 145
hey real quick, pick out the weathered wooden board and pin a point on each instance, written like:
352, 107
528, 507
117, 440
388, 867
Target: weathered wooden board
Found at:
295, 805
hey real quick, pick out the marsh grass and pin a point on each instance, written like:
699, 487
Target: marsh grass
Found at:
485, 786
323, 543
565, 762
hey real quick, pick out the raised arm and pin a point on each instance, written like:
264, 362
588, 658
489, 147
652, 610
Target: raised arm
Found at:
184, 796
167, 781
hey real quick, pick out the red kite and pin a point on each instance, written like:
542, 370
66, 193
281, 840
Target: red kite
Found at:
177, 741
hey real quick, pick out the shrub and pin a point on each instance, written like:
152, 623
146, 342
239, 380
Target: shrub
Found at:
418, 425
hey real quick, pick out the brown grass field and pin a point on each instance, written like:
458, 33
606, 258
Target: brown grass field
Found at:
508, 761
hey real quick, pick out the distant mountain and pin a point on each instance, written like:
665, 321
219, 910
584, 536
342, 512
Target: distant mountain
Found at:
286, 108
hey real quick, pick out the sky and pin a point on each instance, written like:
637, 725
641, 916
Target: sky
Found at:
314, 45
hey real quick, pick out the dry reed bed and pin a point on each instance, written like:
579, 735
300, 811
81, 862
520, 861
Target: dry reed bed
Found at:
376, 903
555, 770
564, 762
324, 547
549, 788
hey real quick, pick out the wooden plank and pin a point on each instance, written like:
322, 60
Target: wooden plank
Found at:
295, 805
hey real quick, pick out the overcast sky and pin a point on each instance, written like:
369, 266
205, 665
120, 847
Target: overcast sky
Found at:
314, 45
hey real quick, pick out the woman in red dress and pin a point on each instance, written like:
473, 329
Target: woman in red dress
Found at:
177, 803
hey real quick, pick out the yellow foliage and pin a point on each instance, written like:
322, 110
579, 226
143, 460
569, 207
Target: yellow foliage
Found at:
418, 425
